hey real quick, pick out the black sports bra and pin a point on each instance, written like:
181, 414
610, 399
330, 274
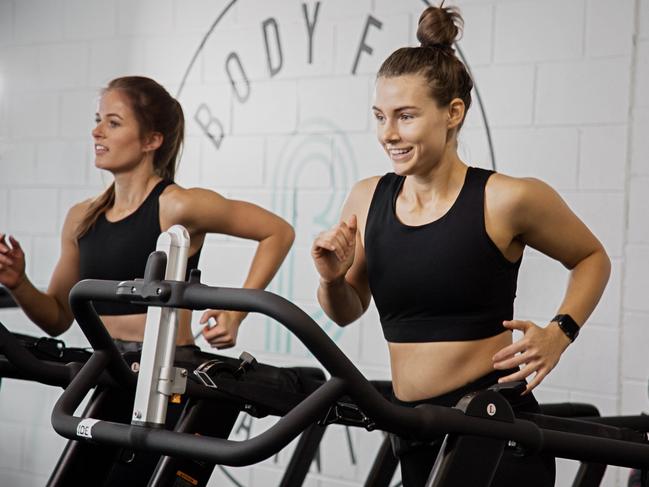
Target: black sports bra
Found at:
119, 250
442, 281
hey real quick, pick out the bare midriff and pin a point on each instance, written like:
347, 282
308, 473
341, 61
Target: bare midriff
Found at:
426, 370
131, 327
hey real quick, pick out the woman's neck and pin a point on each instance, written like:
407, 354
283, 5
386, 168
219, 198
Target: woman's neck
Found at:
132, 188
442, 182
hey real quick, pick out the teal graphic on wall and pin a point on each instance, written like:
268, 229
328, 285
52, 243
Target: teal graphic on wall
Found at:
326, 151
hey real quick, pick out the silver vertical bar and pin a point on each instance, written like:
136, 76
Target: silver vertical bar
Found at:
156, 375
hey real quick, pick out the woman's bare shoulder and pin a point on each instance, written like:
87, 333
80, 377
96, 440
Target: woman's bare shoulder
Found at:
362, 192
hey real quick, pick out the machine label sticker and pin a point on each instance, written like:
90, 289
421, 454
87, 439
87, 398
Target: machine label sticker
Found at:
491, 409
84, 428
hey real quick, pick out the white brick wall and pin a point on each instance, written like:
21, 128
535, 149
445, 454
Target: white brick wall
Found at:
19, 163
609, 30
642, 74
549, 154
602, 157
341, 99
4, 215
22, 110
74, 56
565, 93
271, 109
643, 28
74, 102
58, 162
110, 56
159, 50
571, 92
637, 278
538, 31
38, 21
102, 17
145, 17
236, 156
510, 91
634, 363
45, 255
33, 211
476, 42
604, 215
638, 205
196, 15
6, 23
22, 63
640, 143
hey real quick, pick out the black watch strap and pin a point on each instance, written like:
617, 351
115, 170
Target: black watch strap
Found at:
567, 325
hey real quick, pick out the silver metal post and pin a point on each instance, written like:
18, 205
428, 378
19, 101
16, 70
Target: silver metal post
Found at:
158, 379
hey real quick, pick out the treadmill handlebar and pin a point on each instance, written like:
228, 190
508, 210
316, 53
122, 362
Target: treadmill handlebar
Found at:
51, 373
6, 300
424, 421
193, 295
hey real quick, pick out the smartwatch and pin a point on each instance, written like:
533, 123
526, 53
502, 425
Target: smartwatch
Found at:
567, 325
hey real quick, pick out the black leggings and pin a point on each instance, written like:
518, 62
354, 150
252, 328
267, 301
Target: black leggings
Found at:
516, 467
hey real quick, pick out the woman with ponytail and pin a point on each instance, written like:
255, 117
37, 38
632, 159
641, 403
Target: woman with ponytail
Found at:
438, 244
137, 138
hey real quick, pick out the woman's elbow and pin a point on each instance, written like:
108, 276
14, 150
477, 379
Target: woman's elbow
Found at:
597, 263
287, 235
605, 264
54, 330
61, 325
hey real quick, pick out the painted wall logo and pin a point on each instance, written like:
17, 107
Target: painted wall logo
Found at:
245, 61
236, 71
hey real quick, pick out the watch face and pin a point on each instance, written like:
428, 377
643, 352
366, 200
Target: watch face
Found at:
568, 326
568, 332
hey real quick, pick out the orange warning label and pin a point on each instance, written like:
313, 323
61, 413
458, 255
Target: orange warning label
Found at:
187, 478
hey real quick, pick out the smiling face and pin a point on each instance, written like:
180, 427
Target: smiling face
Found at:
119, 145
410, 126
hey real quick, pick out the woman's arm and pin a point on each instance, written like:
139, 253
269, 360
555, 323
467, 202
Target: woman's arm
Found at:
203, 211
49, 310
542, 220
339, 257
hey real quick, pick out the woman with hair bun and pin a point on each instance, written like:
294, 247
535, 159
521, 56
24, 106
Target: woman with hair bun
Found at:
137, 138
438, 245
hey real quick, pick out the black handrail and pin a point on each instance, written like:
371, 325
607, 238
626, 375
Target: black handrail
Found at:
423, 422
28, 364
6, 300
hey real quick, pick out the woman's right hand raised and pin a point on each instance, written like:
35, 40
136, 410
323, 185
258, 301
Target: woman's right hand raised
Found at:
333, 250
12, 262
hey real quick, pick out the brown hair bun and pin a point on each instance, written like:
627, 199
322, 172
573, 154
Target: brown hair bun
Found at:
439, 26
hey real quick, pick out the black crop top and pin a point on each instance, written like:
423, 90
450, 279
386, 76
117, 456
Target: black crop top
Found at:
442, 281
119, 250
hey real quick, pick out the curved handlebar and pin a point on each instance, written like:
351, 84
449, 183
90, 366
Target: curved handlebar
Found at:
54, 374
423, 422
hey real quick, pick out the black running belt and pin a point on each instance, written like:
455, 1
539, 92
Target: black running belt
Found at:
260, 390
265, 389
